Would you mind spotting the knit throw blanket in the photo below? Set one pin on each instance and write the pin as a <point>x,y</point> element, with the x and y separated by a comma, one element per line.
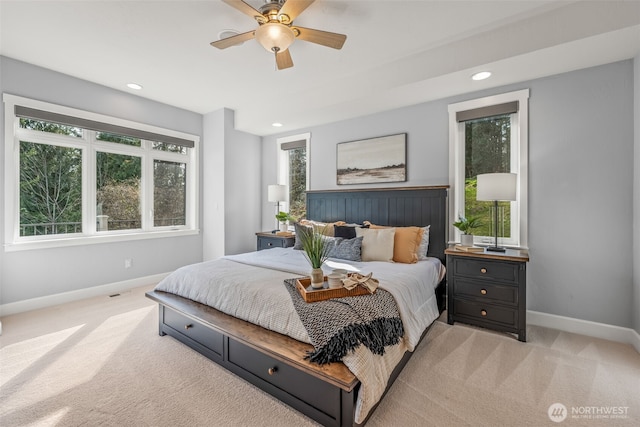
<point>338,326</point>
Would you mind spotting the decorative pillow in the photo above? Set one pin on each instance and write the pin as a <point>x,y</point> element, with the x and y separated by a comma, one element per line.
<point>377,244</point>
<point>325,228</point>
<point>348,249</point>
<point>344,231</point>
<point>297,245</point>
<point>406,243</point>
<point>424,244</point>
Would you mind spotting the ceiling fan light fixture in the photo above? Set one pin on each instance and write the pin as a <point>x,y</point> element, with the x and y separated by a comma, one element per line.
<point>275,37</point>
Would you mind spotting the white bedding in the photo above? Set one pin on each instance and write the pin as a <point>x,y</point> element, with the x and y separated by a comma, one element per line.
<point>250,287</point>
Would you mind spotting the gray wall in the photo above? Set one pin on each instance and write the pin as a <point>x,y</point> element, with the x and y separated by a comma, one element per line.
<point>231,183</point>
<point>636,198</point>
<point>36,273</point>
<point>581,170</point>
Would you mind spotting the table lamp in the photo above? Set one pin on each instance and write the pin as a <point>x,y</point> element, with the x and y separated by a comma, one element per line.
<point>496,187</point>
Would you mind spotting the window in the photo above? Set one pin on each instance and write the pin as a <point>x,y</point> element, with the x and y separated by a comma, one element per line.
<point>489,135</point>
<point>74,177</point>
<point>293,171</point>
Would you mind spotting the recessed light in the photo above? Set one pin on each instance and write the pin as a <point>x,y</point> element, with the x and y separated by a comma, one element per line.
<point>481,75</point>
<point>135,86</point>
<point>276,125</point>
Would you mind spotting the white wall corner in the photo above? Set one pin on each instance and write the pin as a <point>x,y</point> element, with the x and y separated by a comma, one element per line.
<point>585,327</point>
<point>65,297</point>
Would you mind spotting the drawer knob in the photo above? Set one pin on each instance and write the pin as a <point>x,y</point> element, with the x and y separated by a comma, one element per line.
<point>483,312</point>
<point>189,326</point>
<point>269,244</point>
<point>272,371</point>
<point>483,270</point>
<point>483,291</point>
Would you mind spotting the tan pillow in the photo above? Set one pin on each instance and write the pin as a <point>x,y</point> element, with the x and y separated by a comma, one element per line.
<point>405,244</point>
<point>325,228</point>
<point>377,245</point>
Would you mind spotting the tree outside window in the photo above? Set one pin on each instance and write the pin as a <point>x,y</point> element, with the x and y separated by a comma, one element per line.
<point>487,150</point>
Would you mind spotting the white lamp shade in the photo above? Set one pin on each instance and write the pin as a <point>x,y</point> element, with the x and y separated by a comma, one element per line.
<point>496,186</point>
<point>275,37</point>
<point>277,193</point>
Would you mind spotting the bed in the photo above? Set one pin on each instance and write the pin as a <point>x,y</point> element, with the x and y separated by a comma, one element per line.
<point>272,356</point>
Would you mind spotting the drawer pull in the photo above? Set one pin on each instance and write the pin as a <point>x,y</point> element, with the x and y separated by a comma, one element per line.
<point>483,270</point>
<point>483,291</point>
<point>269,244</point>
<point>483,312</point>
<point>272,371</point>
<point>189,326</point>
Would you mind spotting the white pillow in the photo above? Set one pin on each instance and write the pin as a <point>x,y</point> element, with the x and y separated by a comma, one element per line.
<point>424,244</point>
<point>377,243</point>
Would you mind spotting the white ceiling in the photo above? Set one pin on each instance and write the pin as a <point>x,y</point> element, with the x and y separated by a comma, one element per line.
<point>397,52</point>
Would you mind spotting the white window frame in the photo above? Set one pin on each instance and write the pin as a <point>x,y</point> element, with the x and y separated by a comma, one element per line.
<point>519,165</point>
<point>90,146</point>
<point>283,162</point>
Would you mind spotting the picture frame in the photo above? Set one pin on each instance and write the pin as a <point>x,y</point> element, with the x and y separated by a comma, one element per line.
<point>372,160</point>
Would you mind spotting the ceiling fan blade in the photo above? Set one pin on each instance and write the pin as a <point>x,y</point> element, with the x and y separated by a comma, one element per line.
<point>283,60</point>
<point>293,8</point>
<point>244,8</point>
<point>325,38</point>
<point>233,40</point>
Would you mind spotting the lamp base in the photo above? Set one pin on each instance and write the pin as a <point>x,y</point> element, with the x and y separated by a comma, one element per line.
<point>496,249</point>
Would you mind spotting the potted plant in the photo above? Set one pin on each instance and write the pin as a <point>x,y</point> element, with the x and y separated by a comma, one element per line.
<point>283,217</point>
<point>466,226</point>
<point>316,249</point>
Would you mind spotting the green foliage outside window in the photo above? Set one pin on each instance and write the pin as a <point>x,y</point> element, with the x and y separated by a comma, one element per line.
<point>118,179</point>
<point>50,189</point>
<point>51,184</point>
<point>298,183</point>
<point>487,150</point>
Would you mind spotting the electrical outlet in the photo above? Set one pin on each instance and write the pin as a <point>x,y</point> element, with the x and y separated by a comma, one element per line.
<point>128,263</point>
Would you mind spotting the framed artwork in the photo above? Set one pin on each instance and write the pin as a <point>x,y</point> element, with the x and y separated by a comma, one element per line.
<point>372,161</point>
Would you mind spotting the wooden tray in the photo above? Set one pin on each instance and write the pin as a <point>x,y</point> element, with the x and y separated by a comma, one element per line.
<point>310,294</point>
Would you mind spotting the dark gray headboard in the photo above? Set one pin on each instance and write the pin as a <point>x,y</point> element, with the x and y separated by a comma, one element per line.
<point>401,207</point>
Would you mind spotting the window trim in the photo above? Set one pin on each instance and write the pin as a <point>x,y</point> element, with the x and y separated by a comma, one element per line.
<point>14,242</point>
<point>283,162</point>
<point>521,166</point>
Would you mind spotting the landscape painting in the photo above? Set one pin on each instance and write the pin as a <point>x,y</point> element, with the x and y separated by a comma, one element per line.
<point>372,161</point>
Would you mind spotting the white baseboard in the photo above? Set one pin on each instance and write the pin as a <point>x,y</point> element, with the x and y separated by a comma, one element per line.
<point>585,327</point>
<point>51,300</point>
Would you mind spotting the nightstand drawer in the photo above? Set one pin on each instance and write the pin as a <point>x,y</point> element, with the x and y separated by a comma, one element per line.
<point>486,312</point>
<point>270,240</point>
<point>486,291</point>
<point>486,269</point>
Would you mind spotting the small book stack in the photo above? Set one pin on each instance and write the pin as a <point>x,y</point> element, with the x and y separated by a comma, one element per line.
<point>284,233</point>
<point>469,248</point>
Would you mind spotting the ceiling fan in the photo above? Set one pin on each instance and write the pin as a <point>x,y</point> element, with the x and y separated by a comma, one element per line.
<point>276,31</point>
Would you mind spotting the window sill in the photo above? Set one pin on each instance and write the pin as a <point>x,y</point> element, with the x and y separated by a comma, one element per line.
<point>93,240</point>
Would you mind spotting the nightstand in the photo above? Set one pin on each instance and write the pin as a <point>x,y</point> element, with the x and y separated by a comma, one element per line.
<point>488,289</point>
<point>268,240</point>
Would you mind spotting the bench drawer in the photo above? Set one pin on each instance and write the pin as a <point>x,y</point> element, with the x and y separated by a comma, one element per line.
<point>198,332</point>
<point>303,386</point>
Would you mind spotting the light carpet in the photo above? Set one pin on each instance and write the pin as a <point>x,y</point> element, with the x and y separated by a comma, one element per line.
<point>101,362</point>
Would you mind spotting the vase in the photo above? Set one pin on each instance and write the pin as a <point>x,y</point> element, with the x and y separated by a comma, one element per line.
<point>317,278</point>
<point>284,226</point>
<point>466,240</point>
